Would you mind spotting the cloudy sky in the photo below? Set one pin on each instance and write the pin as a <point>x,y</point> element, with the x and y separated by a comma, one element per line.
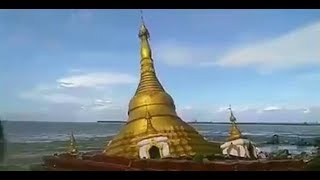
<point>83,65</point>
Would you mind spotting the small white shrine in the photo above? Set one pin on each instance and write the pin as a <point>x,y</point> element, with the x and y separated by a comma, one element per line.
<point>154,146</point>
<point>237,145</point>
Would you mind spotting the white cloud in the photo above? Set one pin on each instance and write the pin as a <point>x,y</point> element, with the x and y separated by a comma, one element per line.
<point>101,102</point>
<point>96,79</point>
<point>234,108</point>
<point>296,48</point>
<point>272,108</point>
<point>41,88</point>
<point>83,104</point>
<point>62,98</point>
<point>253,114</point>
<point>83,16</point>
<point>174,53</point>
<point>223,109</point>
<point>187,107</point>
<point>306,111</point>
<point>75,70</point>
<point>51,95</point>
<point>99,105</point>
<point>299,47</point>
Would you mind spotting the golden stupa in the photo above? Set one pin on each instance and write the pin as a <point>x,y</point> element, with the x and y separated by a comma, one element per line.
<point>234,132</point>
<point>72,149</point>
<point>153,128</point>
<point>237,145</point>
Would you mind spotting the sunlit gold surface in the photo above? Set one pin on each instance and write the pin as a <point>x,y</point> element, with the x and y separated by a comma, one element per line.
<point>152,113</point>
<point>234,132</point>
<point>72,149</point>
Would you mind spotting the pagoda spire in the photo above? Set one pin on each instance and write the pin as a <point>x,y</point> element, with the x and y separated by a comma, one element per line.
<point>152,114</point>
<point>72,146</point>
<point>234,132</point>
<point>148,78</point>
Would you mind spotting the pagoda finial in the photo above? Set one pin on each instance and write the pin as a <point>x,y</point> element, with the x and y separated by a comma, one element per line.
<point>233,119</point>
<point>144,33</point>
<point>72,146</point>
<point>148,78</point>
<point>141,12</point>
<point>234,132</point>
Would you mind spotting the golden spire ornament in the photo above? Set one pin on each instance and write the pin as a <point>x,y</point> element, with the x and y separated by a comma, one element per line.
<point>72,149</point>
<point>234,132</point>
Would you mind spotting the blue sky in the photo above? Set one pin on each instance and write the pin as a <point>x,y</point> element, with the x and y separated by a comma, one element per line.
<point>83,65</point>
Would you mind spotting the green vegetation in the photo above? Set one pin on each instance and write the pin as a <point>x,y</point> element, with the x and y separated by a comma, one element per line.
<point>13,168</point>
<point>314,165</point>
<point>281,154</point>
<point>198,158</point>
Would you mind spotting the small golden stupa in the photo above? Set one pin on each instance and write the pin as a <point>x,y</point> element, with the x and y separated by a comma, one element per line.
<point>153,128</point>
<point>237,145</point>
<point>234,132</point>
<point>72,149</point>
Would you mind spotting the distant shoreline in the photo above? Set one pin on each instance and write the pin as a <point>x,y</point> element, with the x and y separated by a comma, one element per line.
<point>199,123</point>
<point>244,123</point>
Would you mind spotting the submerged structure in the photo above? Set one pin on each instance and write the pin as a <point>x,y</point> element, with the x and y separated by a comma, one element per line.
<point>237,145</point>
<point>72,149</point>
<point>153,129</point>
<point>155,138</point>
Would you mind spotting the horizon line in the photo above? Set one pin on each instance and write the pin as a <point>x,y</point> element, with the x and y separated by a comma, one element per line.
<point>189,122</point>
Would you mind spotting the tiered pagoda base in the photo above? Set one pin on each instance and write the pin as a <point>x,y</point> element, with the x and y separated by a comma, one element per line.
<point>101,162</point>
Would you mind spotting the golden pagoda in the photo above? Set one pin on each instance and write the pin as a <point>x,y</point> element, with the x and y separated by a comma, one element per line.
<point>72,149</point>
<point>234,132</point>
<point>153,128</point>
<point>237,145</point>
